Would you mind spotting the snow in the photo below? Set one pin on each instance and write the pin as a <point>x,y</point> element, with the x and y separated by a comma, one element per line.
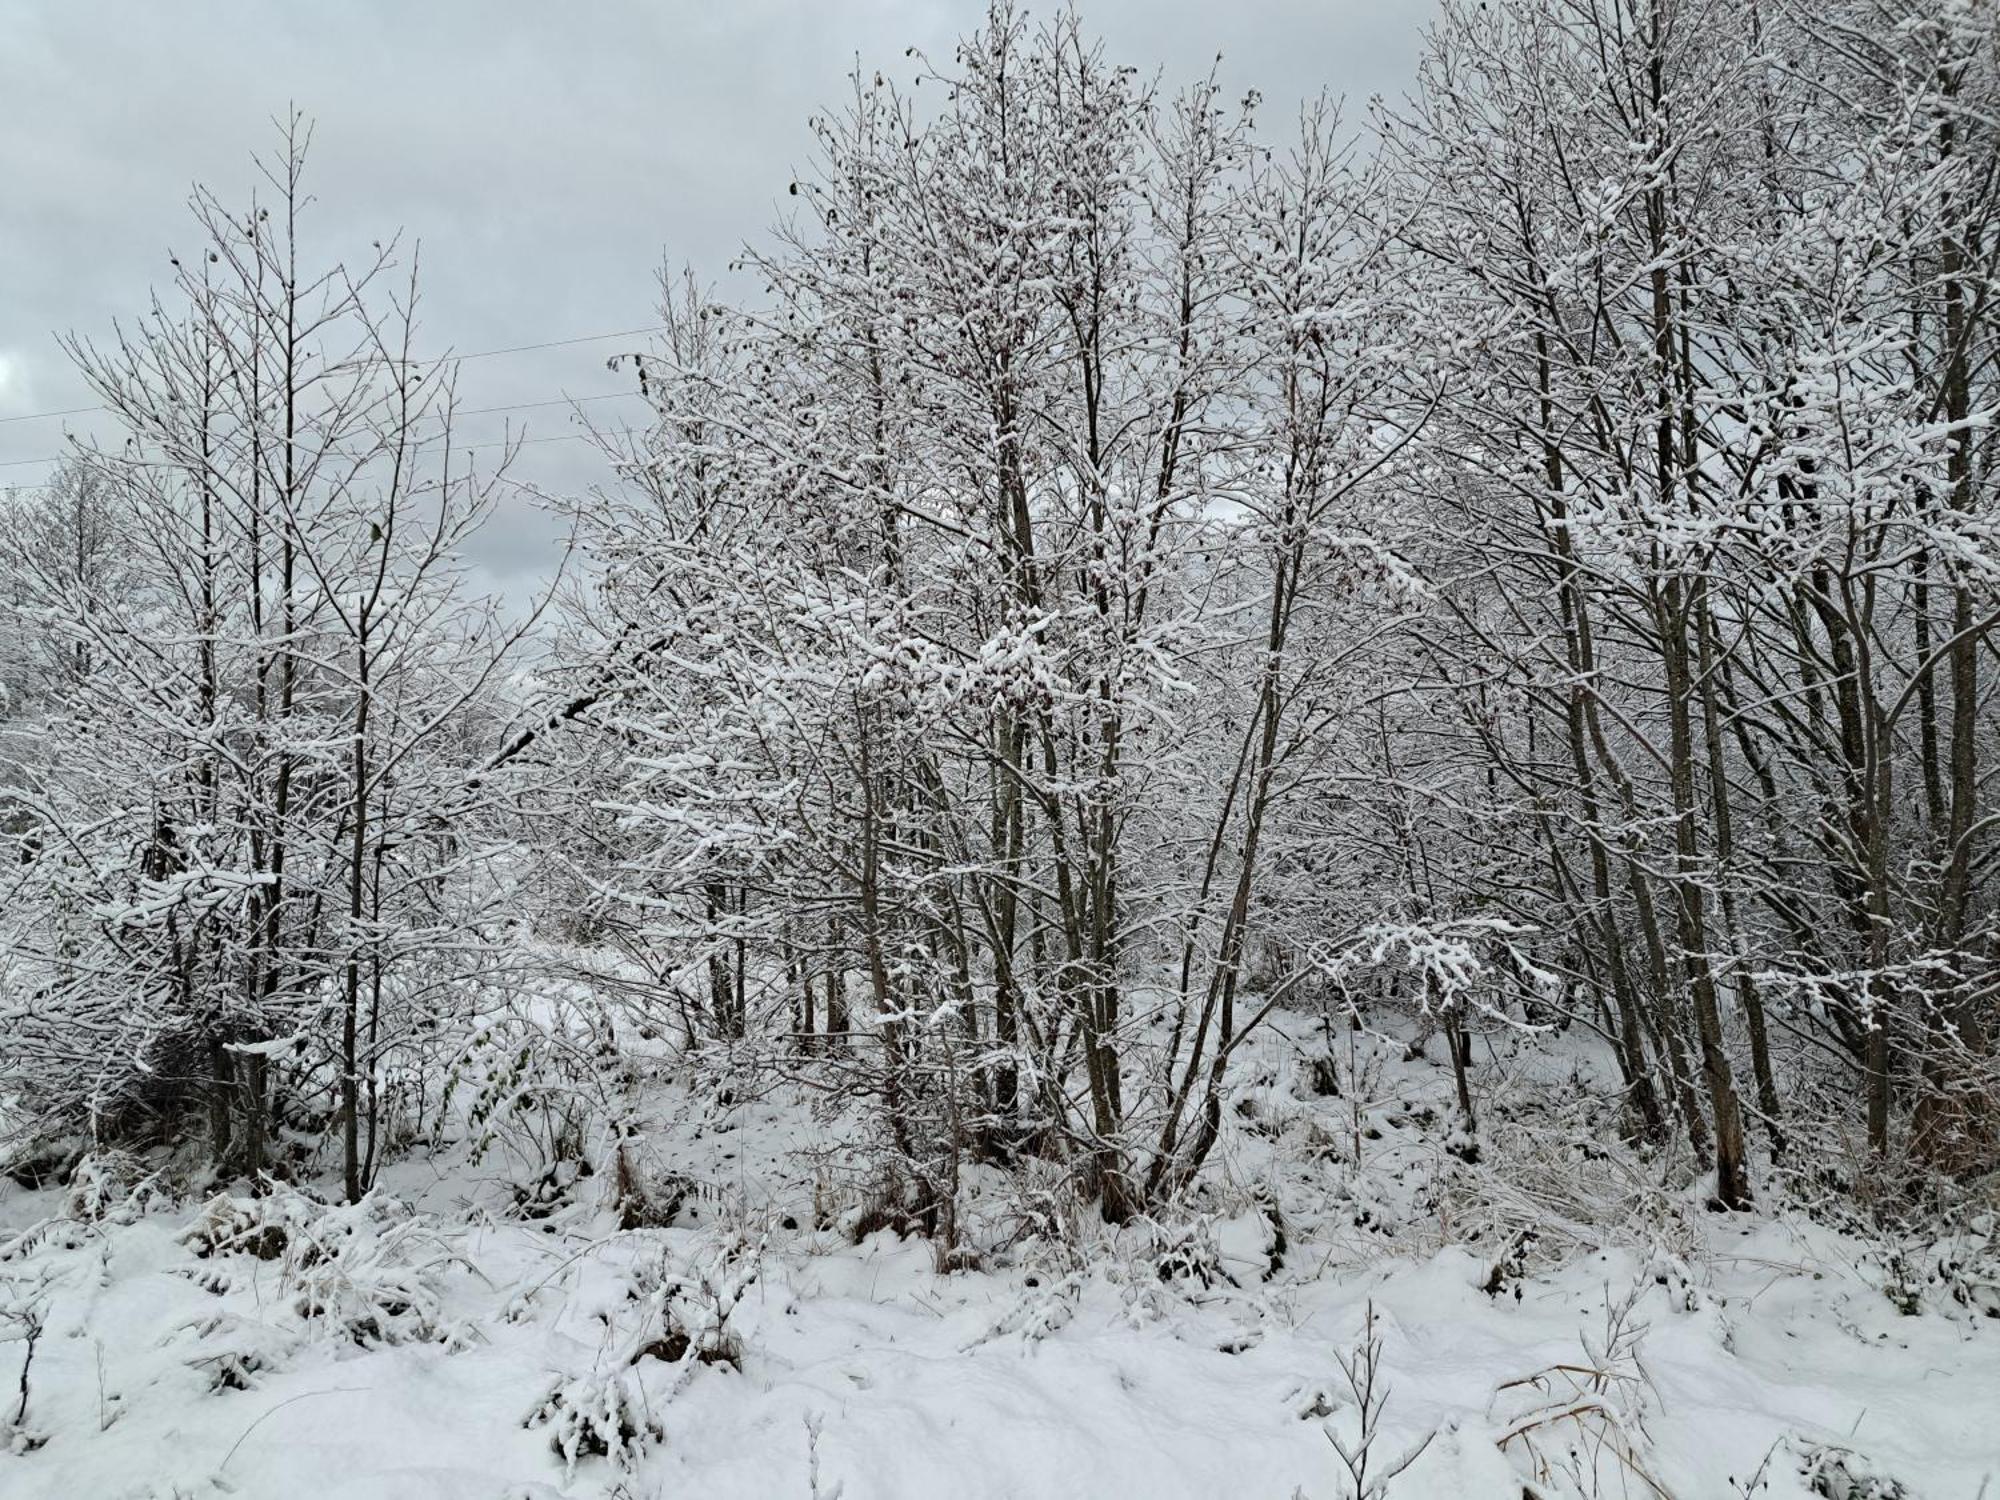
<point>1159,1360</point>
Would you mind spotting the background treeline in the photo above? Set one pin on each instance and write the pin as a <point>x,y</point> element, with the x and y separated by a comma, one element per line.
<point>1524,557</point>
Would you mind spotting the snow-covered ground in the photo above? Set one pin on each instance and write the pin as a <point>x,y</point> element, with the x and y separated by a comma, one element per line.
<point>433,1343</point>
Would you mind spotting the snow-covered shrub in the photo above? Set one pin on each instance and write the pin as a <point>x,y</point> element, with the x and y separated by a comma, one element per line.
<point>1039,1211</point>
<point>1954,1274</point>
<point>612,1410</point>
<point>38,1158</point>
<point>603,1413</point>
<point>44,1236</point>
<point>366,1273</point>
<point>1547,1177</point>
<point>694,1302</point>
<point>1358,1195</point>
<point>1187,1254</point>
<point>231,1352</point>
<point>23,1320</point>
<point>229,1225</point>
<point>1357,1405</point>
<point>1506,1270</point>
<point>1323,1074</point>
<point>1577,1428</point>
<point>112,1184</point>
<point>1838,1473</point>
<point>645,1194</point>
<point>1277,1236</point>
<point>1157,1267</point>
<point>533,1084</point>
<point>369,1274</point>
<point>1966,1266</point>
<point>1044,1306</point>
<point>1944,1258</point>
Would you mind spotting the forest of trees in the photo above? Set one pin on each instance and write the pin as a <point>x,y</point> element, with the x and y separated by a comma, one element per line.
<point>1520,557</point>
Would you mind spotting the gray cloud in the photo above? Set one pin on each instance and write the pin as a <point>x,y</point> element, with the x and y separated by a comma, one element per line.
<point>545,154</point>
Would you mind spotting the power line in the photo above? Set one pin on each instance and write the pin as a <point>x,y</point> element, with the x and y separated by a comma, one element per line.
<point>480,411</point>
<point>477,411</point>
<point>37,416</point>
<point>561,437</point>
<point>587,338</point>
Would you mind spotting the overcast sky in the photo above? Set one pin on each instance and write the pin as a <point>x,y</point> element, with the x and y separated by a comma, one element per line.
<point>547,153</point>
